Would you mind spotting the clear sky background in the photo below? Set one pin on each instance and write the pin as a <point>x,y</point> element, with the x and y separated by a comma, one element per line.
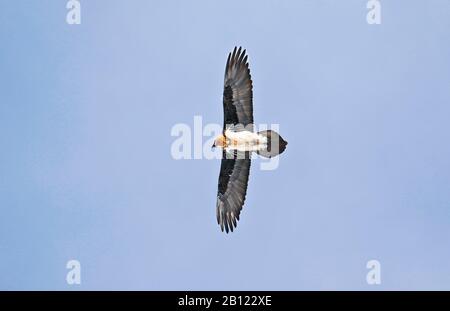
<point>86,171</point>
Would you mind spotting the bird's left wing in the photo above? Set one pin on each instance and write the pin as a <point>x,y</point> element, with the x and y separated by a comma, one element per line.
<point>233,180</point>
<point>238,93</point>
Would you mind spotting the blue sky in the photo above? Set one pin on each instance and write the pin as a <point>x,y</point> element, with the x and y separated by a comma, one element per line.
<point>86,171</point>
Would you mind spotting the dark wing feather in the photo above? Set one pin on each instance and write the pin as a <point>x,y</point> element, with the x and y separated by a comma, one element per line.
<point>237,93</point>
<point>233,180</point>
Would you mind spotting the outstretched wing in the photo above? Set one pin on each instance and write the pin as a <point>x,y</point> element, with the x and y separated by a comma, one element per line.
<point>233,180</point>
<point>237,93</point>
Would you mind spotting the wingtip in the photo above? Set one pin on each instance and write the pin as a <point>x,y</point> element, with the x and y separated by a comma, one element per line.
<point>228,224</point>
<point>237,51</point>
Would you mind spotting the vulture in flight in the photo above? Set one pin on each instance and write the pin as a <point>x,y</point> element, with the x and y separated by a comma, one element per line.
<point>238,140</point>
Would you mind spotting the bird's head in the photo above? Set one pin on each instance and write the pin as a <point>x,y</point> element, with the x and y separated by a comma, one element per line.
<point>219,141</point>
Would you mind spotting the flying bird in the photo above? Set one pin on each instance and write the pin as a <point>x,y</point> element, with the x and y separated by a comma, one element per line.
<point>238,140</point>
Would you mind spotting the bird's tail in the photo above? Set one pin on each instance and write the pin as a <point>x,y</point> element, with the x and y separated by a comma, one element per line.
<point>275,144</point>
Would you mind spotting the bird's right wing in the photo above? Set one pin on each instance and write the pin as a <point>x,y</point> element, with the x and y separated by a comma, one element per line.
<point>233,180</point>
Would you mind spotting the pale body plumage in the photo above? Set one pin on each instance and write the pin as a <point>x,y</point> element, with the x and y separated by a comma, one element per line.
<point>244,141</point>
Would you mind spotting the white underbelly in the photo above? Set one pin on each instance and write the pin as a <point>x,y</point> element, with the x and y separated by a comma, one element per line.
<point>245,141</point>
